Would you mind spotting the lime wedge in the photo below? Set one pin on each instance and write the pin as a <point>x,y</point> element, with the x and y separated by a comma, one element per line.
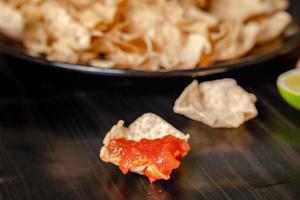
<point>288,85</point>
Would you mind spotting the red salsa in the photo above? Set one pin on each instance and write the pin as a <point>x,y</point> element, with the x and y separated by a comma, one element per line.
<point>163,154</point>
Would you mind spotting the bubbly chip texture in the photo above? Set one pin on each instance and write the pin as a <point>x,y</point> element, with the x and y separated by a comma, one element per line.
<point>147,35</point>
<point>149,146</point>
<point>219,104</point>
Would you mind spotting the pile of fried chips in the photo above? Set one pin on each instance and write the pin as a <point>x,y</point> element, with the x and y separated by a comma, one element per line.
<point>145,34</point>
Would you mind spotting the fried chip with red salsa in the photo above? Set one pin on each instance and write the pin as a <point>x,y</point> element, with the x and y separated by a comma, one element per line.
<point>149,146</point>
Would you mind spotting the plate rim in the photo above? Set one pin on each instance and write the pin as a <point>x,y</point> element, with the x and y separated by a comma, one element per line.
<point>291,43</point>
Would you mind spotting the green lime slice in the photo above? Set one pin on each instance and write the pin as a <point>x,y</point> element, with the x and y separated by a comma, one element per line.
<point>288,85</point>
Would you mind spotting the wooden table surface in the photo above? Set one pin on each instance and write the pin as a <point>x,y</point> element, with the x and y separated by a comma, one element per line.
<point>52,123</point>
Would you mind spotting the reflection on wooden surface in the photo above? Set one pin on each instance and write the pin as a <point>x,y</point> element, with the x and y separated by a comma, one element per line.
<point>207,140</point>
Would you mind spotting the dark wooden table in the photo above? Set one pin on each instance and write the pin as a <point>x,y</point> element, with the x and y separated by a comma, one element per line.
<point>52,123</point>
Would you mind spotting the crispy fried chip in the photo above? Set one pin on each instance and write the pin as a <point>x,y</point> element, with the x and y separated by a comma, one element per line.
<point>61,51</point>
<point>64,28</point>
<point>192,51</point>
<point>219,104</point>
<point>102,63</point>
<point>242,10</point>
<point>98,12</point>
<point>272,27</point>
<point>148,126</point>
<point>11,21</point>
<point>238,40</point>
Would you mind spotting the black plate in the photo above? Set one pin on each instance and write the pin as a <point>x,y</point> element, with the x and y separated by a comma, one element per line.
<point>258,55</point>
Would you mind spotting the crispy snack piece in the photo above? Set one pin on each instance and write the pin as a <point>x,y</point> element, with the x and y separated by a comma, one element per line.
<point>150,127</point>
<point>273,26</point>
<point>63,28</point>
<point>238,40</point>
<point>11,21</point>
<point>243,10</point>
<point>219,104</point>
